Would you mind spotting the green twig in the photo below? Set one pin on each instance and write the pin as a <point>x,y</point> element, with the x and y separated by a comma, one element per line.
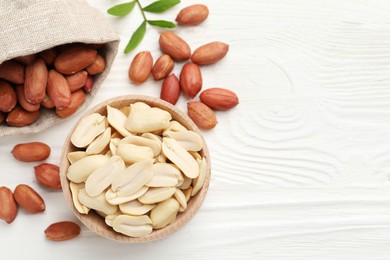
<point>142,10</point>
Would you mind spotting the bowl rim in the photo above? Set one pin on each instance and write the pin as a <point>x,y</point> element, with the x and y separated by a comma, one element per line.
<point>92,220</point>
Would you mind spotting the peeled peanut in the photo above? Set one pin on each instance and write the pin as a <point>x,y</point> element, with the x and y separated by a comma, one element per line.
<point>103,176</point>
<point>97,203</point>
<point>101,142</point>
<point>155,195</point>
<point>179,156</point>
<point>88,129</point>
<point>164,212</point>
<point>181,198</point>
<point>136,208</point>
<point>113,198</point>
<point>133,178</point>
<point>187,192</point>
<point>175,127</point>
<point>164,175</point>
<point>109,219</point>
<point>147,120</point>
<point>131,153</point>
<point>134,226</point>
<point>75,156</point>
<point>199,181</point>
<point>189,140</point>
<point>141,141</point>
<point>81,169</point>
<point>75,188</point>
<point>117,120</point>
<point>186,182</point>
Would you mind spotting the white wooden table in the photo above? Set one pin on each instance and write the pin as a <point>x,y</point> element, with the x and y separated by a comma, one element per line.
<point>300,168</point>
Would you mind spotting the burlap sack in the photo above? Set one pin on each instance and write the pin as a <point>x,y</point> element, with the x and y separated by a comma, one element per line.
<point>30,26</point>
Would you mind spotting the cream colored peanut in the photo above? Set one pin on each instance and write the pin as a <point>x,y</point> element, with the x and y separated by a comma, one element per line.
<point>186,183</point>
<point>131,153</point>
<point>101,142</point>
<point>175,126</point>
<point>179,156</point>
<point>196,155</point>
<point>147,120</point>
<point>75,156</point>
<point>139,106</point>
<point>164,212</point>
<point>161,158</point>
<point>156,195</point>
<point>133,178</point>
<point>164,175</point>
<point>133,226</point>
<point>109,219</point>
<point>88,129</point>
<point>141,141</point>
<point>117,120</point>
<point>181,198</point>
<point>103,176</point>
<point>113,198</point>
<point>187,192</point>
<point>189,140</point>
<point>135,208</point>
<point>74,189</point>
<point>153,137</point>
<point>81,169</point>
<point>97,203</point>
<point>197,183</point>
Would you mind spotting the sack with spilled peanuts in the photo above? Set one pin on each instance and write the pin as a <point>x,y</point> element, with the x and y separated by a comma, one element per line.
<point>54,55</point>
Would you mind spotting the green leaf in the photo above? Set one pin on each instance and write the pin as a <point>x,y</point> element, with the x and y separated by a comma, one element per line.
<point>136,38</point>
<point>161,6</point>
<point>122,9</point>
<point>162,23</point>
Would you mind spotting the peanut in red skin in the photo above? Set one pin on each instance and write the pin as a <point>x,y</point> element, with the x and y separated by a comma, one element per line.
<point>8,207</point>
<point>191,79</point>
<point>29,199</point>
<point>62,231</point>
<point>141,67</point>
<point>31,152</point>
<point>170,89</point>
<point>48,175</point>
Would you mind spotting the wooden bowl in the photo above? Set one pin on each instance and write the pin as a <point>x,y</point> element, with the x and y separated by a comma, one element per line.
<point>95,222</point>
